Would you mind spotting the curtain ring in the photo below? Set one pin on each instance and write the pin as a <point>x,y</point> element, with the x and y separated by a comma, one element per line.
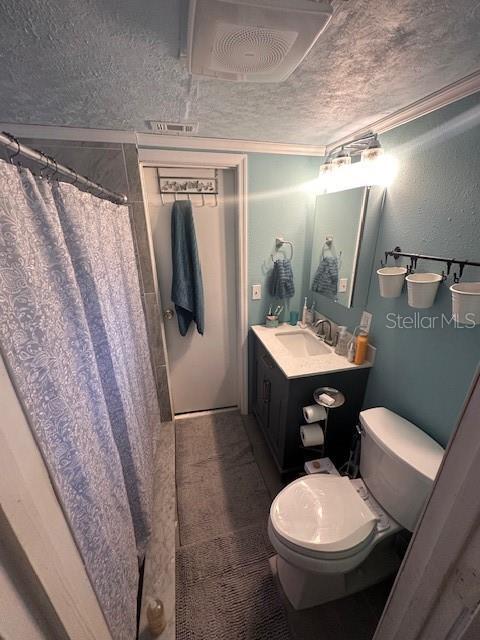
<point>76,176</point>
<point>52,176</point>
<point>46,165</point>
<point>17,152</point>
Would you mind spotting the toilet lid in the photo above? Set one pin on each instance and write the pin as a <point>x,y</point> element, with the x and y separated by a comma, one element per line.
<point>323,513</point>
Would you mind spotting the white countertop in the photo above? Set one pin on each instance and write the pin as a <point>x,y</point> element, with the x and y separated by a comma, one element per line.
<point>300,367</point>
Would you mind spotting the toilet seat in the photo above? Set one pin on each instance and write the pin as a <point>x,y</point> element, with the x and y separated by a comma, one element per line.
<point>323,514</point>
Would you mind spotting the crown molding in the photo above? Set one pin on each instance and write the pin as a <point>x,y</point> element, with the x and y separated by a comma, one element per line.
<point>155,140</point>
<point>434,101</point>
<point>222,144</point>
<point>48,132</point>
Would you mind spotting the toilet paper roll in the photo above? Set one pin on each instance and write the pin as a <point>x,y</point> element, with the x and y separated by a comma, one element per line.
<point>314,413</point>
<point>312,435</point>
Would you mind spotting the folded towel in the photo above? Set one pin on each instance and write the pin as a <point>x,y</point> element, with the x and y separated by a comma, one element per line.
<point>281,284</point>
<point>187,286</point>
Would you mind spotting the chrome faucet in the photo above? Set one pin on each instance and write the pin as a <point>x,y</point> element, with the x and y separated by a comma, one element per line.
<point>320,332</point>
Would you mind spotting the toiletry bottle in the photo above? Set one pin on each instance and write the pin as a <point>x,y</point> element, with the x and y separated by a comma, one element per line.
<point>311,314</point>
<point>342,341</point>
<point>156,618</point>
<point>351,350</point>
<point>305,314</point>
<point>361,347</point>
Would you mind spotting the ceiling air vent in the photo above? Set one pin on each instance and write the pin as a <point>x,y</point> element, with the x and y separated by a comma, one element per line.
<point>252,40</point>
<point>173,128</point>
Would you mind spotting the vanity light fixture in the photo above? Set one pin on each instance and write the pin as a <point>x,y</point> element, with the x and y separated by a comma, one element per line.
<point>338,172</point>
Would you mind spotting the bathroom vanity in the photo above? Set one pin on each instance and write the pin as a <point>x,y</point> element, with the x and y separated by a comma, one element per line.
<point>288,364</point>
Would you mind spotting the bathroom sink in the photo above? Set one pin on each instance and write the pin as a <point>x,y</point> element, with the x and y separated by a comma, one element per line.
<point>302,343</point>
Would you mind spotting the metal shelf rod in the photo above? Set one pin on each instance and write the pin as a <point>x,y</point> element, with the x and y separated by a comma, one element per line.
<point>420,256</point>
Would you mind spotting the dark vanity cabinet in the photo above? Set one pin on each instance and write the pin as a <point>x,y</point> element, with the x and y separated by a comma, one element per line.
<point>278,402</point>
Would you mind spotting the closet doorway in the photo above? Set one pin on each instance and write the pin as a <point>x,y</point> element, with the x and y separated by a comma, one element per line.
<point>204,372</point>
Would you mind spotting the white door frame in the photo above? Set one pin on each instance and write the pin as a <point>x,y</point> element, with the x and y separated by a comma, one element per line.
<point>149,157</point>
<point>29,503</point>
<point>436,595</point>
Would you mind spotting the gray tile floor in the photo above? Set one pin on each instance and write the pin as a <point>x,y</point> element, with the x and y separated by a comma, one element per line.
<point>352,618</point>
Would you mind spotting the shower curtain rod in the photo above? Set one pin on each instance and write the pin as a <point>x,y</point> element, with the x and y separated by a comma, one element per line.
<point>11,143</point>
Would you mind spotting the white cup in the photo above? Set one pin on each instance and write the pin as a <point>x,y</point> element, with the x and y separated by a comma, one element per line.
<point>422,289</point>
<point>466,302</point>
<point>391,280</point>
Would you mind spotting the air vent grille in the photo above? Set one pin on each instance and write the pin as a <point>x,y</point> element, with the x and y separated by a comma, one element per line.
<point>173,128</point>
<point>247,49</point>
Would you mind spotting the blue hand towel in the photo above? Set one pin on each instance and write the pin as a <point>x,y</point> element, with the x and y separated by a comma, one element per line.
<point>187,286</point>
<point>282,285</point>
<point>325,280</point>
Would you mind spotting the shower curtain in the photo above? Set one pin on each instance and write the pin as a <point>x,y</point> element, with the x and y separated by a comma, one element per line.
<point>73,336</point>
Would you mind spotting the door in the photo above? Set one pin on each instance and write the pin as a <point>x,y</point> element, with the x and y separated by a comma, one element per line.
<point>203,369</point>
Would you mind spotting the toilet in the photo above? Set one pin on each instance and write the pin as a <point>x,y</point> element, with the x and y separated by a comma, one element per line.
<point>335,536</point>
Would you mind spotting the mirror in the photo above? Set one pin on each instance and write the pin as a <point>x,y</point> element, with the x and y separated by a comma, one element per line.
<point>343,244</point>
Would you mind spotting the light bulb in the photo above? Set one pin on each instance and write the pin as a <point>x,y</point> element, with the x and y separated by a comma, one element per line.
<point>342,159</point>
<point>373,151</point>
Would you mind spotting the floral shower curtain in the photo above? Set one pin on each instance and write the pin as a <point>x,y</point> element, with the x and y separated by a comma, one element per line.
<point>73,337</point>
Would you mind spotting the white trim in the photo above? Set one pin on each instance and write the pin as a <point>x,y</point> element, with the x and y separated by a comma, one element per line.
<point>437,590</point>
<point>434,101</point>
<point>37,521</point>
<point>238,162</point>
<point>159,140</point>
<point>223,144</point>
<point>48,132</point>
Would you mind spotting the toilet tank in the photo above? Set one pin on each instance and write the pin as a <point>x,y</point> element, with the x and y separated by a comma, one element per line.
<point>398,463</point>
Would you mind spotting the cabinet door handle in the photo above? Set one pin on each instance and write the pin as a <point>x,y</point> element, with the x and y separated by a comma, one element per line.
<point>266,391</point>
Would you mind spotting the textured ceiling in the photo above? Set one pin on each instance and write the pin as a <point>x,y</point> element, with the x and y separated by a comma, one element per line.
<point>114,64</point>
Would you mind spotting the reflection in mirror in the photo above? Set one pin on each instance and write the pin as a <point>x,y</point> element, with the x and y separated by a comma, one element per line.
<point>343,244</point>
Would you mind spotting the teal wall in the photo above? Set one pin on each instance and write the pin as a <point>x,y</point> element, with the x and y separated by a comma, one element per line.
<point>432,206</point>
<point>278,206</point>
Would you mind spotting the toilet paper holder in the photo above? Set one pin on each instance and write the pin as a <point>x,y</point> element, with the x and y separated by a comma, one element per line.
<point>339,400</point>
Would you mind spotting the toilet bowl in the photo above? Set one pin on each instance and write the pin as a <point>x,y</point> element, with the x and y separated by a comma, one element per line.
<point>333,535</point>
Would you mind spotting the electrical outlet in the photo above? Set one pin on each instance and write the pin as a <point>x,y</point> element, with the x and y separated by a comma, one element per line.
<point>342,285</point>
<point>366,321</point>
<point>256,291</point>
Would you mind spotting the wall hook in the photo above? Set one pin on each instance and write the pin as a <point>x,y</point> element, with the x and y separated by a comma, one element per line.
<point>461,267</point>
